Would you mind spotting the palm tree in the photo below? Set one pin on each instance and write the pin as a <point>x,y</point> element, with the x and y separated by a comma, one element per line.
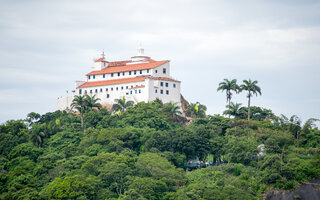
<point>196,110</point>
<point>80,104</point>
<point>173,109</point>
<point>229,86</point>
<point>295,127</point>
<point>37,134</point>
<point>252,88</point>
<point>122,104</point>
<point>233,109</point>
<point>92,102</point>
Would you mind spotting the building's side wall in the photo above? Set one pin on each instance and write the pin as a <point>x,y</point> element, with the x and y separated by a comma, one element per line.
<point>155,91</point>
<point>158,71</point>
<point>64,103</point>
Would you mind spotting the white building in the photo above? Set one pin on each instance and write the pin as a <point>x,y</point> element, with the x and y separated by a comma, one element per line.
<point>138,79</point>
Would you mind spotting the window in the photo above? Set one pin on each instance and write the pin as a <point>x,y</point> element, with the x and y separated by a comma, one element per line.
<point>100,89</point>
<point>156,91</point>
<point>121,87</point>
<point>88,77</point>
<point>117,88</point>
<point>156,71</point>
<point>108,95</point>
<point>123,73</point>
<point>96,90</point>
<point>127,93</point>
<point>111,74</point>
<point>167,84</point>
<point>131,86</point>
<point>135,91</point>
<point>90,91</point>
<point>131,92</point>
<point>167,91</point>
<point>103,76</point>
<point>148,70</point>
<point>80,91</point>
<point>174,85</point>
<point>164,70</point>
<point>161,91</point>
<point>94,76</point>
<point>127,87</point>
<point>161,83</point>
<point>112,89</point>
<point>139,91</point>
<point>135,72</point>
<point>85,91</point>
<point>140,71</point>
<point>129,72</point>
<point>118,73</point>
<point>106,89</point>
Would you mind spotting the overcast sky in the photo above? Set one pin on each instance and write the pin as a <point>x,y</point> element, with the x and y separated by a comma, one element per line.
<point>46,45</point>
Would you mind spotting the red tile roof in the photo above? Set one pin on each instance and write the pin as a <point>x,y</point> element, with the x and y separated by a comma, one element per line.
<point>123,68</point>
<point>113,82</point>
<point>163,78</point>
<point>118,63</point>
<point>101,60</point>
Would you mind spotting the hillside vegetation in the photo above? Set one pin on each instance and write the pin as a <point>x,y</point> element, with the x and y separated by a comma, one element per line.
<point>139,153</point>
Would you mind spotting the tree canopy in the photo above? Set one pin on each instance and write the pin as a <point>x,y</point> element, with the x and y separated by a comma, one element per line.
<point>141,154</point>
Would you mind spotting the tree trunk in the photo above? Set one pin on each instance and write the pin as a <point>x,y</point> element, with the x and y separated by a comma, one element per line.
<point>82,120</point>
<point>248,108</point>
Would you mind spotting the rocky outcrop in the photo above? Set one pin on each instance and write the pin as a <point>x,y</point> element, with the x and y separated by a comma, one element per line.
<point>307,191</point>
<point>184,104</point>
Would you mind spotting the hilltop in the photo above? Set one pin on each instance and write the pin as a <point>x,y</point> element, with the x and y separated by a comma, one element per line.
<point>140,152</point>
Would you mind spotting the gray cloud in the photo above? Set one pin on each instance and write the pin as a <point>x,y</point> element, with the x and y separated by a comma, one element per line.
<point>46,45</point>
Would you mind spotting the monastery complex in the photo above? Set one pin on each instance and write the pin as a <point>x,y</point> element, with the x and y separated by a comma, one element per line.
<point>138,79</point>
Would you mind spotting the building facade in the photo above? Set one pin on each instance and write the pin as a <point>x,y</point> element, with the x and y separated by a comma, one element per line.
<point>138,79</point>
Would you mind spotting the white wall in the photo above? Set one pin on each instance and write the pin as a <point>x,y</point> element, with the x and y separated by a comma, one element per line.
<point>147,93</point>
<point>113,94</point>
<point>64,103</point>
<point>174,93</point>
<point>159,70</point>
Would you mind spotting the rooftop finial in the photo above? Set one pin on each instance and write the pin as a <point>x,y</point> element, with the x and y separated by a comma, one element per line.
<point>103,55</point>
<point>140,50</point>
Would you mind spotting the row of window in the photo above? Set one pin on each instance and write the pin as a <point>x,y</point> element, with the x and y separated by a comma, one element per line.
<point>119,74</point>
<point>124,73</point>
<point>161,91</point>
<point>135,91</point>
<point>107,89</point>
<point>167,84</point>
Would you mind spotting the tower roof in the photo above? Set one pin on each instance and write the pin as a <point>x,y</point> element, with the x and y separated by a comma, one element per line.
<point>123,66</point>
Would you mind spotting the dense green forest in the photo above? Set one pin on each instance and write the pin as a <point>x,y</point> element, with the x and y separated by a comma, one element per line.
<point>139,153</point>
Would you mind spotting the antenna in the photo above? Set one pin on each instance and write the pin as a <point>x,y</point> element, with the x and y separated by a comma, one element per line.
<point>103,55</point>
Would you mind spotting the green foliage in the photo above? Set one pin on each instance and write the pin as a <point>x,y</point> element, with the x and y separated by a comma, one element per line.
<point>74,187</point>
<point>196,110</point>
<point>141,154</point>
<point>122,104</point>
<point>229,86</point>
<point>241,150</point>
<point>146,115</point>
<point>253,89</point>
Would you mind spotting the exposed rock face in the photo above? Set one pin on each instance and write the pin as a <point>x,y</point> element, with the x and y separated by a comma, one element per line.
<point>307,191</point>
<point>184,104</point>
